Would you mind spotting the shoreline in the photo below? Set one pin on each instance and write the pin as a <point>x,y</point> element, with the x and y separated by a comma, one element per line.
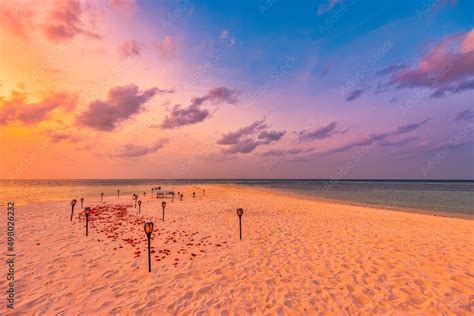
<point>297,255</point>
<point>298,195</point>
<point>375,206</point>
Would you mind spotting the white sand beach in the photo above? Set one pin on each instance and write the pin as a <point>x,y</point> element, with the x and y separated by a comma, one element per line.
<point>297,256</point>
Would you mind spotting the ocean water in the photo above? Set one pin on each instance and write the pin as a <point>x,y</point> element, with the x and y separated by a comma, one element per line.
<point>438,196</point>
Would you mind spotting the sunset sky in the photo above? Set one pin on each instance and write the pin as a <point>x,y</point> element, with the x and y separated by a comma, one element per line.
<point>237,89</point>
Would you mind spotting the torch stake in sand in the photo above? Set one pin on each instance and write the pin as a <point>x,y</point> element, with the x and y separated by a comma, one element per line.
<point>139,206</point>
<point>73,203</point>
<point>203,192</point>
<point>240,212</point>
<point>82,203</point>
<point>148,230</point>
<point>194,195</point>
<point>163,205</point>
<point>135,197</point>
<point>87,211</point>
<point>101,196</point>
<point>118,194</point>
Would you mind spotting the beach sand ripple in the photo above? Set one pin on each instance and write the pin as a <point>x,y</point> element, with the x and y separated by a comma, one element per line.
<point>297,256</point>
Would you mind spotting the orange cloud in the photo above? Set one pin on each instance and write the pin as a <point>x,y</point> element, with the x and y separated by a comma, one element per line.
<point>66,20</point>
<point>16,108</point>
<point>17,20</point>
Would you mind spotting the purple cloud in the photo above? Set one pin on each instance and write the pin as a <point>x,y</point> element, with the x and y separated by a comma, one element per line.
<point>244,146</point>
<point>358,143</point>
<point>399,131</point>
<point>408,128</point>
<point>382,139</point>
<point>447,67</point>
<point>454,88</point>
<point>398,143</point>
<point>248,145</point>
<point>59,136</point>
<point>217,96</point>
<point>391,69</point>
<point>355,94</point>
<point>273,152</point>
<point>133,151</point>
<point>381,88</point>
<point>466,115</point>
<point>234,137</point>
<point>282,152</point>
<point>270,136</point>
<point>130,49</point>
<point>120,104</point>
<point>449,145</point>
<point>320,133</point>
<point>429,148</point>
<point>181,116</point>
<point>248,138</point>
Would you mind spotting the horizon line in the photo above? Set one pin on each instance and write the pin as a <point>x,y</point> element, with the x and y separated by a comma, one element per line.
<point>243,179</point>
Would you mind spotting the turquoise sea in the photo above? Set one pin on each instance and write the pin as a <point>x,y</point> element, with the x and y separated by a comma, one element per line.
<point>438,196</point>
